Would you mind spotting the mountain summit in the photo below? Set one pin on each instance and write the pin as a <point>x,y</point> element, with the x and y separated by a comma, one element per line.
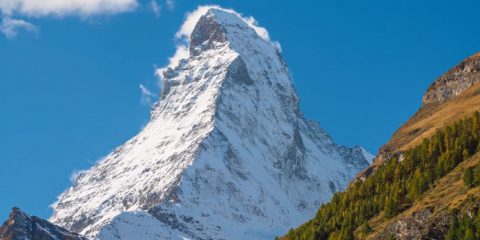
<point>227,153</point>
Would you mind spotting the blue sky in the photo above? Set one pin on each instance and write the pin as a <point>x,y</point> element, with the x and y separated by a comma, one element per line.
<point>70,76</point>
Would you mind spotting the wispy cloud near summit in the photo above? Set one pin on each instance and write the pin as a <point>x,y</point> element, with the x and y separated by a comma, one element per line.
<point>191,19</point>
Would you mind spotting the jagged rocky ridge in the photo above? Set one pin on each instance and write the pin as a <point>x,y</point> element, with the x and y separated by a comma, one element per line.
<point>21,226</point>
<point>227,153</point>
<point>455,81</point>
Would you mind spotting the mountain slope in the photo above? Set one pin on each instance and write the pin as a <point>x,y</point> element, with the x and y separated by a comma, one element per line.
<point>21,226</point>
<point>437,114</point>
<point>414,189</point>
<point>227,153</point>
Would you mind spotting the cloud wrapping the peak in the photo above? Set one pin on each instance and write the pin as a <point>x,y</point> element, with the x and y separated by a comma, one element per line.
<point>181,52</point>
<point>191,19</point>
<point>41,8</point>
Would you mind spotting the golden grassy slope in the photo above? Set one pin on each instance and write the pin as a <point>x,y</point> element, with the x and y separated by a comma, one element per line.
<point>449,193</point>
<point>425,122</point>
<point>433,116</point>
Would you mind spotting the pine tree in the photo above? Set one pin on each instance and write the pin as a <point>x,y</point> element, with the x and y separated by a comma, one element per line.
<point>477,224</point>
<point>440,168</point>
<point>476,176</point>
<point>453,230</point>
<point>466,154</point>
<point>391,207</point>
<point>468,177</point>
<point>365,228</point>
<point>469,234</point>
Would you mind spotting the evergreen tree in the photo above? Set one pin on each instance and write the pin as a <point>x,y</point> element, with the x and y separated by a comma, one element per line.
<point>468,177</point>
<point>477,224</point>
<point>391,207</point>
<point>365,228</point>
<point>469,234</point>
<point>453,230</point>
<point>476,176</point>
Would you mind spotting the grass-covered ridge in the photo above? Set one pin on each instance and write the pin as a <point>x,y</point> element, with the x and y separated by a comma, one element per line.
<point>395,186</point>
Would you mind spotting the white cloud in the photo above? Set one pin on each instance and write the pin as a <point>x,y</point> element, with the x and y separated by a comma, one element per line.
<point>73,178</point>
<point>182,52</point>
<point>170,4</point>
<point>75,174</point>
<point>54,205</point>
<point>11,10</point>
<point>156,9</point>
<point>147,97</point>
<point>37,8</point>
<point>10,27</point>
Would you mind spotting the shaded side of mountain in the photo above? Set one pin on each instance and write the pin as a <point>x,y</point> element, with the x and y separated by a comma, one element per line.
<point>21,226</point>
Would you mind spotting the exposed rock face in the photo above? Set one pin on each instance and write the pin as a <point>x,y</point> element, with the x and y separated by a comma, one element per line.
<point>455,81</point>
<point>422,224</point>
<point>227,153</point>
<point>21,226</point>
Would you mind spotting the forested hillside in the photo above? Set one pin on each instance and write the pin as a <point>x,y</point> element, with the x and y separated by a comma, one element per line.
<point>398,183</point>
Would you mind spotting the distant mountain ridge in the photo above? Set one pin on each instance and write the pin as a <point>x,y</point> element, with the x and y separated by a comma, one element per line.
<point>21,226</point>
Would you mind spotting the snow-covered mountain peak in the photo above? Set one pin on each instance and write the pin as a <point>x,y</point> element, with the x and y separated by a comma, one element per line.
<point>227,153</point>
<point>219,26</point>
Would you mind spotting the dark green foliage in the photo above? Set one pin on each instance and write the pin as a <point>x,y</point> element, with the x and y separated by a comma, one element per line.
<point>365,228</point>
<point>471,177</point>
<point>396,184</point>
<point>476,176</point>
<point>468,177</point>
<point>464,227</point>
<point>452,231</point>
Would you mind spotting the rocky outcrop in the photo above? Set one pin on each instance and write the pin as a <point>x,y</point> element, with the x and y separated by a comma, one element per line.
<point>21,226</point>
<point>422,224</point>
<point>455,81</point>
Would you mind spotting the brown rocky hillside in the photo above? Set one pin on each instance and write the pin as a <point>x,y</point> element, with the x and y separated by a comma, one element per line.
<point>452,96</point>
